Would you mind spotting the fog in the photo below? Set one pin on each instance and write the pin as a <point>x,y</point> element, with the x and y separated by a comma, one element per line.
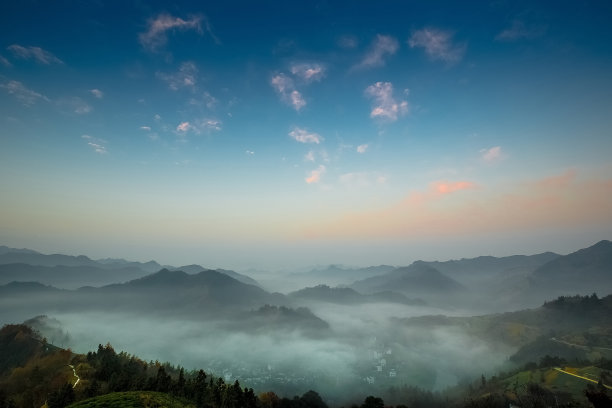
<point>336,363</point>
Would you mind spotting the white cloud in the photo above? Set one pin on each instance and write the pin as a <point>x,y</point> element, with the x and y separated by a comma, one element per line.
<point>304,136</point>
<point>438,45</point>
<point>492,154</point>
<point>285,87</point>
<point>382,47</point>
<point>27,96</point>
<point>308,72</point>
<point>250,152</point>
<point>97,93</point>
<point>362,148</point>
<point>156,36</point>
<point>185,77</point>
<point>157,117</point>
<point>98,145</point>
<point>385,106</point>
<point>36,53</point>
<point>520,30</point>
<point>315,175</point>
<point>146,128</point>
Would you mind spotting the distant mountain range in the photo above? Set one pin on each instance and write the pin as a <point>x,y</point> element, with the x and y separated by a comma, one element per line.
<point>504,283</point>
<point>72,272</point>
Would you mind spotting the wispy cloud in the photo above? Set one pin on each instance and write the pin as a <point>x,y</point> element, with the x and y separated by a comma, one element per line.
<point>304,136</point>
<point>438,45</point>
<point>491,154</point>
<point>564,201</point>
<point>520,30</point>
<point>382,47</point>
<point>310,156</point>
<point>156,35</point>
<point>25,95</point>
<point>385,106</point>
<point>249,152</point>
<point>361,179</point>
<point>315,175</point>
<point>199,126</point>
<point>183,127</point>
<point>146,128</point>
<point>347,42</point>
<point>285,87</point>
<point>362,148</point>
<point>97,93</point>
<point>185,77</point>
<point>35,53</point>
<point>74,105</point>
<point>5,62</point>
<point>445,187</point>
<point>308,72</point>
<point>98,145</point>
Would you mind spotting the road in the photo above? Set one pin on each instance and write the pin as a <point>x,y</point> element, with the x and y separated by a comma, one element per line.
<point>579,376</point>
<point>580,346</point>
<point>75,374</point>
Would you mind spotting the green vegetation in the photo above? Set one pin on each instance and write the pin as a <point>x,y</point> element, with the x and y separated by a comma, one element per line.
<point>134,399</point>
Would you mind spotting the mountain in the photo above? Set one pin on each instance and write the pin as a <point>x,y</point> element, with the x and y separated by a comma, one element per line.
<point>67,277</point>
<point>193,269</point>
<point>26,288</point>
<point>335,275</point>
<point>39,259</point>
<point>173,293</point>
<point>148,267</point>
<point>584,271</point>
<point>348,296</point>
<point>4,249</point>
<point>418,279</point>
<point>268,319</point>
<point>476,271</point>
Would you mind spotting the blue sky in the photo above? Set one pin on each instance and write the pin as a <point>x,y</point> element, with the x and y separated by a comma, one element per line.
<point>270,134</point>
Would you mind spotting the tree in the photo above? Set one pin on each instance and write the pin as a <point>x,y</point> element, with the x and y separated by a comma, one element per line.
<point>62,397</point>
<point>373,402</point>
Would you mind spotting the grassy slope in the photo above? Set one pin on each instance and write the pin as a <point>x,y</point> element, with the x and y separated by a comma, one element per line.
<point>133,399</point>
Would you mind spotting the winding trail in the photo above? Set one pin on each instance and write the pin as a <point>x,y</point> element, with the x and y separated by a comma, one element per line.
<point>580,346</point>
<point>75,374</point>
<point>579,376</point>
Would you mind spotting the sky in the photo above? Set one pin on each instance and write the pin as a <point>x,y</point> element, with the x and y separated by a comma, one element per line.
<point>272,134</point>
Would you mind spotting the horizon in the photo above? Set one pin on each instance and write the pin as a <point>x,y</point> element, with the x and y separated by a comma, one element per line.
<point>294,268</point>
<point>305,134</point>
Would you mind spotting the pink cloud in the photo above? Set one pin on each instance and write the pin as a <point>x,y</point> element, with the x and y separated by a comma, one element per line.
<point>560,202</point>
<point>315,175</point>
<point>446,187</point>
